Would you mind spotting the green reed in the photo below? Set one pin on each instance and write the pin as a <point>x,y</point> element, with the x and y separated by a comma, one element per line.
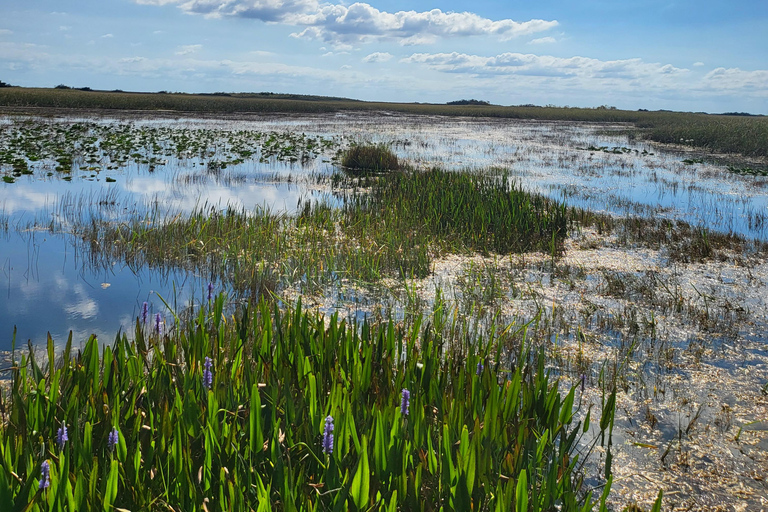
<point>394,226</point>
<point>369,158</point>
<point>481,429</point>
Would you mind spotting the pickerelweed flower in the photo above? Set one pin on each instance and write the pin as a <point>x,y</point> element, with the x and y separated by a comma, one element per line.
<point>61,436</point>
<point>405,402</point>
<point>210,291</point>
<point>480,368</point>
<point>158,323</point>
<point>144,312</point>
<point>45,475</point>
<point>207,374</point>
<point>114,438</point>
<point>328,436</point>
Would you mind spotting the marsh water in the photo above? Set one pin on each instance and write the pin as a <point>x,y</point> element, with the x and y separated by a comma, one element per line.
<point>65,171</point>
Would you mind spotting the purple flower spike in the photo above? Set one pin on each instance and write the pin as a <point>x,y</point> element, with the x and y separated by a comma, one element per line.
<point>207,374</point>
<point>144,311</point>
<point>328,436</point>
<point>480,368</point>
<point>45,475</point>
<point>583,382</point>
<point>158,323</point>
<point>61,436</point>
<point>114,438</point>
<point>405,402</point>
<point>210,291</point>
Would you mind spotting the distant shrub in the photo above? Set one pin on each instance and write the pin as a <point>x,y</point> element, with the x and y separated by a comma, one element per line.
<point>4,84</point>
<point>370,157</point>
<point>62,86</point>
<point>468,102</point>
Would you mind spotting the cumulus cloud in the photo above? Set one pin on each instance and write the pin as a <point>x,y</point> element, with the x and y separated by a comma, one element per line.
<point>734,79</point>
<point>543,40</point>
<point>188,49</point>
<point>541,65</point>
<point>378,57</point>
<point>698,64</point>
<point>361,22</point>
<point>5,32</point>
<point>107,36</point>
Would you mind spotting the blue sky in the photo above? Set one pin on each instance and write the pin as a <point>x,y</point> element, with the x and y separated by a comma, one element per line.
<point>682,55</point>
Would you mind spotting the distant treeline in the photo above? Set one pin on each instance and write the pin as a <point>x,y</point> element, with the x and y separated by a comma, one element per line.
<point>468,102</point>
<point>724,133</point>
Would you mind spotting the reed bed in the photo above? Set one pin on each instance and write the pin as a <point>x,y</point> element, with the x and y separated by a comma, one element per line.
<point>388,226</point>
<point>289,410</point>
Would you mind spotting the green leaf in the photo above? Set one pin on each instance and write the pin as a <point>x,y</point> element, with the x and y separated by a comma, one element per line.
<point>359,489</point>
<point>256,433</point>
<point>521,492</point>
<point>657,504</point>
<point>111,492</point>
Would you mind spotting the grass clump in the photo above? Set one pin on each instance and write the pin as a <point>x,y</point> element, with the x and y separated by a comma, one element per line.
<point>393,227</point>
<point>235,412</point>
<point>369,158</point>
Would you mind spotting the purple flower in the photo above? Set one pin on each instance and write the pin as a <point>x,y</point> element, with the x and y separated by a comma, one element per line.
<point>144,311</point>
<point>61,436</point>
<point>207,374</point>
<point>583,382</point>
<point>45,475</point>
<point>158,323</point>
<point>328,435</point>
<point>114,438</point>
<point>210,291</point>
<point>479,368</point>
<point>405,401</point>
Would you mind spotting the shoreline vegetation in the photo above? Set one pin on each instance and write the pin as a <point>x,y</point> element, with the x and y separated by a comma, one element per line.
<point>722,133</point>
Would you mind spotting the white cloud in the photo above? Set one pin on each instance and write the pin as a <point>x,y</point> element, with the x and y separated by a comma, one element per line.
<point>107,36</point>
<point>698,64</point>
<point>543,40</point>
<point>188,49</point>
<point>64,28</point>
<point>361,22</point>
<point>378,57</point>
<point>5,32</point>
<point>544,65</point>
<point>735,79</point>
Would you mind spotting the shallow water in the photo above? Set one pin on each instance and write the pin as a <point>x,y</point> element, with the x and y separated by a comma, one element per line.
<point>122,169</point>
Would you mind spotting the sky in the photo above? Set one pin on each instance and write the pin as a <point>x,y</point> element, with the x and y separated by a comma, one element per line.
<point>686,55</point>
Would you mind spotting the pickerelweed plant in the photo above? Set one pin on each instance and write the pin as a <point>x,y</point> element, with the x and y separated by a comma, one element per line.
<point>260,437</point>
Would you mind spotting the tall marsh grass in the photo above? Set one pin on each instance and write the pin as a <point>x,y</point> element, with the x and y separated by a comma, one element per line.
<point>390,225</point>
<point>369,158</point>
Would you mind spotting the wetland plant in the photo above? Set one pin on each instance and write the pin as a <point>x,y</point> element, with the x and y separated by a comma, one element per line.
<point>362,158</point>
<point>251,443</point>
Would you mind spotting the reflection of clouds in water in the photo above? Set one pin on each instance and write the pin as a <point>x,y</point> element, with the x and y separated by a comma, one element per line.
<point>146,185</point>
<point>84,306</point>
<point>187,198</point>
<point>23,198</point>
